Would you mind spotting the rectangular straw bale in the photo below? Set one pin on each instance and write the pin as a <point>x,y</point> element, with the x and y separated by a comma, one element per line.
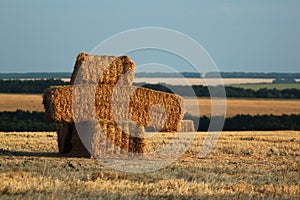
<point>90,142</point>
<point>125,138</point>
<point>110,139</point>
<point>187,126</point>
<point>137,142</point>
<point>141,142</point>
<point>99,140</point>
<point>94,69</point>
<point>64,135</point>
<point>132,136</point>
<point>118,139</point>
<point>106,137</point>
<point>78,147</point>
<point>141,103</point>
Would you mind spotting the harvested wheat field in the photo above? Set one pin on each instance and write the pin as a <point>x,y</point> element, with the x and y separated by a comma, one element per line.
<point>245,106</point>
<point>33,102</point>
<point>13,102</point>
<point>243,165</point>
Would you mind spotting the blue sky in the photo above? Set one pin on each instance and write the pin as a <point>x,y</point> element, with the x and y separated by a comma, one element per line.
<point>249,36</point>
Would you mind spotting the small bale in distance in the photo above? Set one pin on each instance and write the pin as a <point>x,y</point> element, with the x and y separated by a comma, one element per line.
<point>187,126</point>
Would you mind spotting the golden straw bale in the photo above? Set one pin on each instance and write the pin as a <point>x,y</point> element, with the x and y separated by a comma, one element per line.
<point>132,136</point>
<point>78,148</point>
<point>110,114</point>
<point>118,139</point>
<point>64,135</point>
<point>125,138</point>
<point>100,138</point>
<point>94,69</point>
<point>139,140</point>
<point>123,103</point>
<point>98,145</point>
<point>110,139</point>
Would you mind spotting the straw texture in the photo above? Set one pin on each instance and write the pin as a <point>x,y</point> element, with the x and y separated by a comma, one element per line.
<point>187,126</point>
<point>122,104</point>
<point>64,135</point>
<point>94,69</point>
<point>98,139</point>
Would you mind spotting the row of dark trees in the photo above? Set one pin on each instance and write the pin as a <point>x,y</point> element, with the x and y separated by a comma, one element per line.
<point>38,86</point>
<point>249,122</point>
<point>25,121</point>
<point>35,75</point>
<point>35,121</point>
<point>28,86</point>
<point>232,92</point>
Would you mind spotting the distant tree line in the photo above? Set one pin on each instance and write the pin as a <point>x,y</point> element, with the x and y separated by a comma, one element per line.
<point>28,86</point>
<point>231,92</point>
<point>25,121</point>
<point>38,86</point>
<point>35,121</point>
<point>59,75</point>
<point>284,80</point>
<point>36,75</point>
<point>250,123</point>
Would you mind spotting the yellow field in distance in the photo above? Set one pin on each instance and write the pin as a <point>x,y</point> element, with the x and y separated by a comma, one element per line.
<point>245,106</point>
<point>12,102</point>
<point>32,102</point>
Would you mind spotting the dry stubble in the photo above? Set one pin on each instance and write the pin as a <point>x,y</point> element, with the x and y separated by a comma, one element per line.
<point>243,165</point>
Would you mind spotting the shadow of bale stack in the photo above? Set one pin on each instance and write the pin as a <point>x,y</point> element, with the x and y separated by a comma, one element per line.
<point>111,113</point>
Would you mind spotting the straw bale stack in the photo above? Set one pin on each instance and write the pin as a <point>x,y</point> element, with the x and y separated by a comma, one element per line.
<point>95,92</point>
<point>130,103</point>
<point>94,69</point>
<point>187,126</point>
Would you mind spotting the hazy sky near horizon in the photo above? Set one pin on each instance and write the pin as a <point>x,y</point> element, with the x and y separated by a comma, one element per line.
<point>249,36</point>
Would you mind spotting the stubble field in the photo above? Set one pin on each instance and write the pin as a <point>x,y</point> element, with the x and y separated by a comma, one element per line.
<point>242,165</point>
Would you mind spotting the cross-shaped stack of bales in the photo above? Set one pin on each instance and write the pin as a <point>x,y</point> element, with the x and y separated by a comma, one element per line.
<point>107,134</point>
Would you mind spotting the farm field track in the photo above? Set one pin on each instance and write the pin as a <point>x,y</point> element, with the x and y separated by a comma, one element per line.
<point>33,102</point>
<point>201,81</point>
<point>242,165</point>
<point>257,86</point>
